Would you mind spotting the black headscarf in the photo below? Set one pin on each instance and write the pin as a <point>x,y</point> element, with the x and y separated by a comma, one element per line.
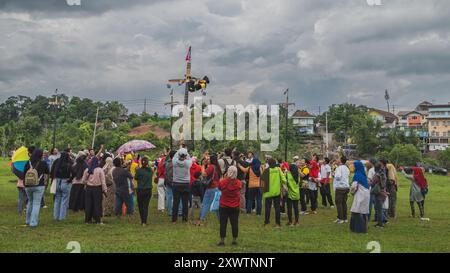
<point>36,156</point>
<point>79,167</point>
<point>294,171</point>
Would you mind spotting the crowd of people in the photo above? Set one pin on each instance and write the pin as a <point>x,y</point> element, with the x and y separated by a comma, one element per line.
<point>226,184</point>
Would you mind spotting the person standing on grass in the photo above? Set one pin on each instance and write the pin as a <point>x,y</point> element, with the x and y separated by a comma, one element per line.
<point>313,183</point>
<point>182,163</point>
<point>325,183</point>
<point>304,187</point>
<point>370,175</point>
<point>77,192</point>
<point>361,199</point>
<point>211,174</point>
<point>272,191</point>
<point>292,178</point>
<point>35,193</point>
<point>108,203</point>
<point>122,179</point>
<point>418,191</point>
<point>168,180</point>
<point>197,193</point>
<point>229,204</point>
<point>22,202</point>
<point>61,172</point>
<point>254,183</point>
<point>392,188</point>
<point>161,175</point>
<point>143,177</point>
<point>239,159</point>
<point>341,188</point>
<point>95,181</point>
<point>378,189</point>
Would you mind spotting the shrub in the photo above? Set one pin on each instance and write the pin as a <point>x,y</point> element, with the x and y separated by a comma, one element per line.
<point>405,155</point>
<point>444,158</point>
<point>135,122</point>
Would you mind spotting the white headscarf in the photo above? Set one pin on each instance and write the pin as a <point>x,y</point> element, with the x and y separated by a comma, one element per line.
<point>232,172</point>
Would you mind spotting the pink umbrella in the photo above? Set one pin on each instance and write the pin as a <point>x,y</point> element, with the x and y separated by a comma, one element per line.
<point>135,146</point>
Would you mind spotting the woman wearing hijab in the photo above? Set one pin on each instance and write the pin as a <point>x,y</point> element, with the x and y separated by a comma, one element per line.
<point>392,188</point>
<point>94,177</point>
<point>313,184</point>
<point>61,172</point>
<point>77,192</point>
<point>361,199</point>
<point>254,184</point>
<point>418,190</point>
<point>109,200</point>
<point>35,193</point>
<point>293,194</point>
<point>229,204</point>
<point>272,191</point>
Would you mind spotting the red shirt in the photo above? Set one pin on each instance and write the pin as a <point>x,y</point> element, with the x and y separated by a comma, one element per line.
<point>194,168</point>
<point>231,193</point>
<point>209,173</point>
<point>161,171</point>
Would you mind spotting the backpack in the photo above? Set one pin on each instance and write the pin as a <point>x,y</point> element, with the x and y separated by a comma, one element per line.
<point>32,178</point>
<point>227,165</point>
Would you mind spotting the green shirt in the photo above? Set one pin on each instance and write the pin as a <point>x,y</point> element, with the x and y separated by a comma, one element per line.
<point>276,177</point>
<point>144,177</point>
<point>293,188</point>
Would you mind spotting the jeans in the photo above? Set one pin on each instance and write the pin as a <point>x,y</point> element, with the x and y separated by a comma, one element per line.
<point>62,197</point>
<point>180,191</point>
<point>341,203</point>
<point>208,198</point>
<point>21,203</point>
<point>325,192</point>
<point>34,195</point>
<point>292,204</point>
<point>161,194</point>
<point>303,195</point>
<point>143,199</point>
<point>254,194</point>
<point>129,203</point>
<point>169,202</point>
<point>233,215</point>
<point>313,198</point>
<point>379,211</point>
<point>276,204</point>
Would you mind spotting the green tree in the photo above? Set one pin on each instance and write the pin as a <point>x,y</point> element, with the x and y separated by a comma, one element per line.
<point>444,158</point>
<point>364,132</point>
<point>405,155</point>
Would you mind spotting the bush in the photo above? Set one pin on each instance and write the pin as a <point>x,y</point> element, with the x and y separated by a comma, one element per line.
<point>405,155</point>
<point>135,122</point>
<point>444,158</point>
<point>431,161</point>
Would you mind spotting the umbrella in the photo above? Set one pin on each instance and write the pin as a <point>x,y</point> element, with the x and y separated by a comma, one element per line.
<point>19,160</point>
<point>135,146</point>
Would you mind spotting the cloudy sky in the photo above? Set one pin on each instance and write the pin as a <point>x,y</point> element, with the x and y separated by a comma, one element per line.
<point>325,51</point>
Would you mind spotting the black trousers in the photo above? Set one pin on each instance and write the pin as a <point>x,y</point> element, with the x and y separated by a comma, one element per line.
<point>268,207</point>
<point>233,215</point>
<point>143,199</point>
<point>76,200</point>
<point>93,204</point>
<point>292,204</point>
<point>180,191</point>
<point>303,196</point>
<point>313,198</point>
<point>325,192</point>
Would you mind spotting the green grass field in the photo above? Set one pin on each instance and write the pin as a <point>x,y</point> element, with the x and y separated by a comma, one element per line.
<point>317,233</point>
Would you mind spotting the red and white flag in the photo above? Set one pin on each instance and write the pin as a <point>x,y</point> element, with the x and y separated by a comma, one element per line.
<point>188,56</point>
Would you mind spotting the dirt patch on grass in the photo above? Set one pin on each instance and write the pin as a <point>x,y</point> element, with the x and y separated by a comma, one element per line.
<point>146,128</point>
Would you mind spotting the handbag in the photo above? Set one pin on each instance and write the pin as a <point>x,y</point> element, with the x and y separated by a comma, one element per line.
<point>53,187</point>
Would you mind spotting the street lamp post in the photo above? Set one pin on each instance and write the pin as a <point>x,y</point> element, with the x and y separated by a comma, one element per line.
<point>171,103</point>
<point>56,105</point>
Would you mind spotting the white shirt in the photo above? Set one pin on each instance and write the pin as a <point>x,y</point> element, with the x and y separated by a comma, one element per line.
<point>341,177</point>
<point>324,170</point>
<point>371,173</point>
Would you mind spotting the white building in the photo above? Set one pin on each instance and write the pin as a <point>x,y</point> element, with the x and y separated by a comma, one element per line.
<point>304,121</point>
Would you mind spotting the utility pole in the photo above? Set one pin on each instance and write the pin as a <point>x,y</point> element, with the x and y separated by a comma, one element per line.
<point>4,144</point>
<point>95,128</point>
<point>56,104</point>
<point>145,105</point>
<point>286,106</point>
<point>171,103</point>
<point>387,97</point>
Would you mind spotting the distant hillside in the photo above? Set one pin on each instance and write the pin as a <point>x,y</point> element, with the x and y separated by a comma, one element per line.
<point>146,128</point>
